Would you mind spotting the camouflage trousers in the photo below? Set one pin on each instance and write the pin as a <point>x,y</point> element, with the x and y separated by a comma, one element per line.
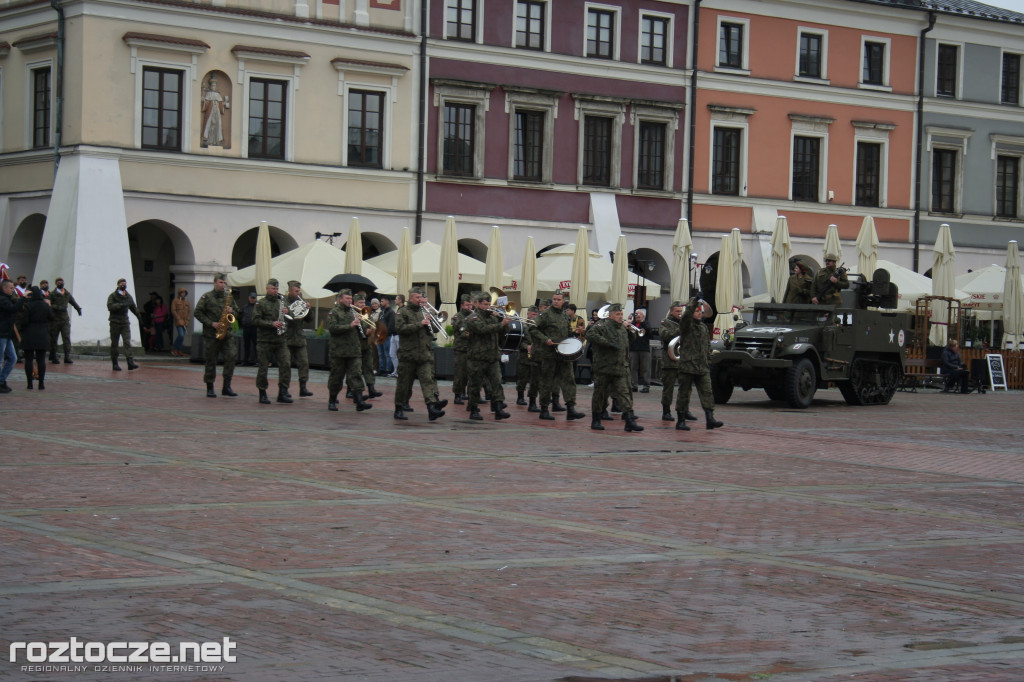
<point>300,357</point>
<point>211,349</point>
<point>556,375</point>
<point>614,386</point>
<point>408,372</point>
<point>461,380</point>
<point>279,353</point>
<point>121,332</point>
<point>369,378</point>
<point>350,367</point>
<point>703,384</point>
<point>484,373</point>
<point>527,376</point>
<point>670,378</point>
<point>61,326</point>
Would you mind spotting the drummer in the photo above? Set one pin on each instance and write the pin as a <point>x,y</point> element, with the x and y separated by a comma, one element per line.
<point>484,356</point>
<point>556,368</point>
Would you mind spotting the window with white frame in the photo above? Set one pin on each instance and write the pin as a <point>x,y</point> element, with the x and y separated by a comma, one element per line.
<point>947,148</point>
<point>462,112</point>
<point>531,133</point>
<point>532,25</point>
<point>600,141</point>
<point>812,54</point>
<point>733,44</point>
<point>654,131</point>
<point>727,167</point>
<point>871,163</point>
<point>462,20</point>
<point>655,39</point>
<point>602,31</point>
<point>269,101</point>
<point>947,70</point>
<point>365,126</point>
<point>1008,153</point>
<point>808,169</point>
<point>162,100</point>
<point>874,57</point>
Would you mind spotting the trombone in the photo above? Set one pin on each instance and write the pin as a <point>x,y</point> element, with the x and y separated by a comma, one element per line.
<point>437,321</point>
<point>603,311</point>
<point>502,311</point>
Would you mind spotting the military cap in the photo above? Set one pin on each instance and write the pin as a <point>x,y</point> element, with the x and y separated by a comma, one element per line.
<point>252,294</point>
<point>481,296</point>
<point>800,264</point>
<point>677,304</point>
<point>345,292</point>
<point>613,307</point>
<point>561,292</point>
<point>44,281</point>
<point>465,297</point>
<point>831,256</point>
<point>417,290</point>
<point>219,275</point>
<point>359,297</point>
<point>546,301</point>
<point>272,282</point>
<point>122,279</point>
<point>532,309</point>
<point>294,283</point>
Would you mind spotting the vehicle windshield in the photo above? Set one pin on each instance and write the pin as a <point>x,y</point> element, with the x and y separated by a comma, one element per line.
<point>775,317</point>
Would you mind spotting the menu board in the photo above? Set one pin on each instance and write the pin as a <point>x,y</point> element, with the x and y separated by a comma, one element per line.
<point>996,375</point>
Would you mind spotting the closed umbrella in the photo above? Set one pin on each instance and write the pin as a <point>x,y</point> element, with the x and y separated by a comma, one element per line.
<point>580,287</point>
<point>782,248</point>
<point>682,248</point>
<point>618,292</point>
<point>403,272</point>
<point>867,248</point>
<point>1013,301</point>
<point>528,276</point>
<point>832,245</point>
<point>354,249</point>
<point>448,284</point>
<point>725,287</point>
<point>943,284</point>
<point>263,268</point>
<point>736,242</point>
<point>493,275</point>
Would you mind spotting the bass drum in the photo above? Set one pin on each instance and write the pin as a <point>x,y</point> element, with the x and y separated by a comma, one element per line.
<point>513,336</point>
<point>570,349</point>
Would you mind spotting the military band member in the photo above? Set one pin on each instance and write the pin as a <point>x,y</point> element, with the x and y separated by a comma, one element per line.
<point>60,299</point>
<point>210,309</point>
<point>295,337</point>
<point>829,281</point>
<point>460,346</point>
<point>271,344</point>
<point>527,366</point>
<point>694,351</point>
<point>119,303</point>
<point>344,324</point>
<point>484,356</point>
<point>556,370</point>
<point>416,357</point>
<point>799,289</point>
<point>610,339</point>
<point>366,346</point>
<point>669,330</point>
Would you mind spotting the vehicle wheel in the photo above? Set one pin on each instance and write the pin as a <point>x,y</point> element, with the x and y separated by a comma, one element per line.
<point>775,392</point>
<point>721,385</point>
<point>801,383</point>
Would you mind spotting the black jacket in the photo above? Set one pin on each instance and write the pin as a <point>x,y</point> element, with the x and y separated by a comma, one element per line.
<point>35,332</point>
<point>9,306</point>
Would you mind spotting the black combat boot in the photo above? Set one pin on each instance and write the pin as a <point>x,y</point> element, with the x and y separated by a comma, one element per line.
<point>332,402</point>
<point>132,364</point>
<point>434,411</point>
<point>68,360</point>
<point>53,358</point>
<point>399,414</point>
<point>226,389</point>
<point>615,406</point>
<point>117,367</point>
<point>690,416</point>
<point>210,393</point>
<point>605,416</point>
<point>681,424</point>
<point>595,421</point>
<point>645,389</point>
<point>407,408</point>
<point>571,412</point>
<point>303,391</point>
<point>360,402</point>
<point>631,424</point>
<point>440,404</point>
<point>520,399</point>
<point>458,399</point>
<point>544,414</point>
<point>555,406</point>
<point>474,413</point>
<point>282,396</point>
<point>666,413</point>
<point>710,421</point>
<point>532,407</point>
<point>499,411</point>
<point>264,400</point>
<point>372,392</point>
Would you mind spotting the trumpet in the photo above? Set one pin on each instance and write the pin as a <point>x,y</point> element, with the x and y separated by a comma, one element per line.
<point>437,321</point>
<point>603,312</point>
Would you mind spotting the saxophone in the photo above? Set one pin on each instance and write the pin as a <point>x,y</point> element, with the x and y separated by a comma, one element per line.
<point>227,319</point>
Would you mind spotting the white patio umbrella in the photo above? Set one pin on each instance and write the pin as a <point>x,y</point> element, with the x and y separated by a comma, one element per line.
<point>618,292</point>
<point>736,238</point>
<point>725,287</point>
<point>943,284</point>
<point>426,264</point>
<point>782,249</point>
<point>580,287</point>
<point>354,249</point>
<point>448,284</point>
<point>262,267</point>
<point>403,269</point>
<point>912,286</point>
<point>1013,301</point>
<point>528,275</point>
<point>832,244</point>
<point>493,275</point>
<point>682,247</point>
<point>985,285</point>
<point>867,248</point>
<point>554,266</point>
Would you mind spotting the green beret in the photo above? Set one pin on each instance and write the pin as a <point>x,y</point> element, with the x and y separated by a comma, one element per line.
<point>272,282</point>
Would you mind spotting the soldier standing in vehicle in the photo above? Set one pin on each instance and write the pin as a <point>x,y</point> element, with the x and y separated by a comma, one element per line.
<point>694,349</point>
<point>829,282</point>
<point>799,289</point>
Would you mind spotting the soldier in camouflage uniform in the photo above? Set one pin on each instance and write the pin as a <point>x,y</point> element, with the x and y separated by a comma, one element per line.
<point>527,366</point>
<point>694,350</point>
<point>60,299</point>
<point>556,371</point>
<point>295,337</point>
<point>209,309</point>
<point>460,345</point>
<point>368,349</point>
<point>828,282</point>
<point>669,330</point>
<point>119,304</point>
<point>610,339</point>
<point>799,289</point>
<point>484,356</point>
<point>416,357</point>
<point>268,319</point>
<point>343,324</point>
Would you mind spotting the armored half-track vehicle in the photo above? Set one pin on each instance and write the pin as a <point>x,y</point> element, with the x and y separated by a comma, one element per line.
<point>792,350</point>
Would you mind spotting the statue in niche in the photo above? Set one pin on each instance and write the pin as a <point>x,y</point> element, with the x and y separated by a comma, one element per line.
<point>216,120</point>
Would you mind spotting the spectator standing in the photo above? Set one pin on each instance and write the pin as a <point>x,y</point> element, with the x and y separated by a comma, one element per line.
<point>161,318</point>
<point>10,303</point>
<point>248,325</point>
<point>181,311</point>
<point>35,338</point>
<point>640,353</point>
<point>387,315</point>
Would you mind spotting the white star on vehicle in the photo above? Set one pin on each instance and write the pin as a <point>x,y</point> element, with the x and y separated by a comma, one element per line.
<point>892,334</point>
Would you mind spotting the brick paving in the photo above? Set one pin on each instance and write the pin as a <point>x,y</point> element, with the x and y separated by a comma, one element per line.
<point>832,543</point>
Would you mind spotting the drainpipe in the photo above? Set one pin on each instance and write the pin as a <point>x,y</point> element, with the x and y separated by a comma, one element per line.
<point>919,151</point>
<point>693,115</point>
<point>58,123</point>
<point>422,142</point>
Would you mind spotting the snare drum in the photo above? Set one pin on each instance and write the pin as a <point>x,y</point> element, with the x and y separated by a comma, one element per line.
<point>570,349</point>
<point>512,337</point>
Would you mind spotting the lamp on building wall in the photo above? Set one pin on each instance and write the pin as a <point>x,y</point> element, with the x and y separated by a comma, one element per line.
<point>330,236</point>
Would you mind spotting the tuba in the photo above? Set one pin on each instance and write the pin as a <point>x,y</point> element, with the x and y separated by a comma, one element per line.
<point>227,319</point>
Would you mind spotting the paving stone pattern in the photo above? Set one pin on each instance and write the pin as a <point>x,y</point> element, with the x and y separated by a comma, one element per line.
<point>832,543</point>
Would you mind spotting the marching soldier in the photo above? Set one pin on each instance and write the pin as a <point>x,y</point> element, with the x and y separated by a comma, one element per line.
<point>212,309</point>
<point>484,356</point>
<point>610,340</point>
<point>460,345</point>
<point>119,303</point>
<point>60,299</point>
<point>344,325</point>
<point>694,350</point>
<point>296,339</point>
<point>669,330</point>
<point>799,288</point>
<point>829,281</point>
<point>528,367</point>
<point>368,349</point>
<point>416,357</point>
<point>556,371</point>
<point>270,343</point>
